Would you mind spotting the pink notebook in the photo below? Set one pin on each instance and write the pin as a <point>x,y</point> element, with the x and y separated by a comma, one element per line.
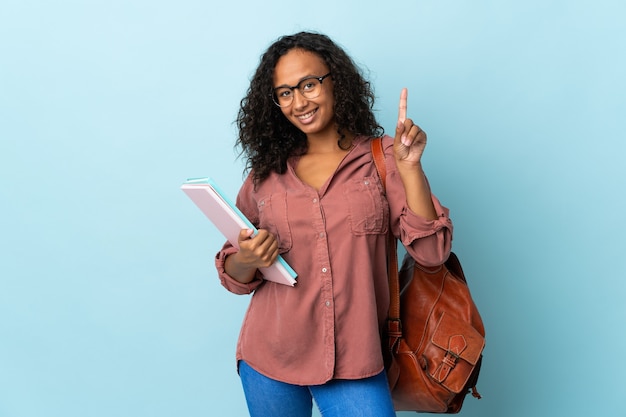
<point>229,220</point>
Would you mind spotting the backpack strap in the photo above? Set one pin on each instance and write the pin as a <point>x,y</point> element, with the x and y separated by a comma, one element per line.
<point>394,326</point>
<point>378,154</point>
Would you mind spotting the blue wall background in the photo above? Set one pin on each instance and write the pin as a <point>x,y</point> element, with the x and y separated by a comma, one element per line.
<point>109,303</point>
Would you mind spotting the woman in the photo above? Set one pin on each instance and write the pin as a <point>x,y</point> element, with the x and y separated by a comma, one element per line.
<point>305,127</point>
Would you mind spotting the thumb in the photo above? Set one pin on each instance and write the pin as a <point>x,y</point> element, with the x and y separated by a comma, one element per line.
<point>245,234</point>
<point>401,136</point>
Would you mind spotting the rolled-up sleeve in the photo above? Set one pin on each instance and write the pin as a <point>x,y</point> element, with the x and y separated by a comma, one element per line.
<point>428,241</point>
<point>229,282</point>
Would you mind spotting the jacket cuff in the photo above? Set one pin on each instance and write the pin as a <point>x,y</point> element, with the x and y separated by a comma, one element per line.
<point>230,283</point>
<point>418,227</point>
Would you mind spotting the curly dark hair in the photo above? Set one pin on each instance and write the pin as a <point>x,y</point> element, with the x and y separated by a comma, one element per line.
<point>267,138</point>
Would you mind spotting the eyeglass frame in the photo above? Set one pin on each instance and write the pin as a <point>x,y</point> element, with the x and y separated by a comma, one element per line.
<point>297,87</point>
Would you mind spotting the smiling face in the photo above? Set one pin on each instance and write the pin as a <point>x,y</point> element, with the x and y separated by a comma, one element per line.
<point>313,116</point>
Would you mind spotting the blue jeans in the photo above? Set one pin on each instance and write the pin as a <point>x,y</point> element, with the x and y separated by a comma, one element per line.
<point>267,397</point>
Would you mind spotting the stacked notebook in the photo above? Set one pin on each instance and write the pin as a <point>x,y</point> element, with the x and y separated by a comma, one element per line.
<point>229,220</point>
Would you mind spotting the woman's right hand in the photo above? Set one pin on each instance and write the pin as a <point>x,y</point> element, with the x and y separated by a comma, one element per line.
<point>255,252</point>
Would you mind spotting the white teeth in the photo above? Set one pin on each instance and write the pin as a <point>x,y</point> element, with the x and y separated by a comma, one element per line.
<point>306,116</point>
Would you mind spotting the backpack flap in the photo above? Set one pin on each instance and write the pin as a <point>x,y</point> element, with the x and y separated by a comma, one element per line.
<point>456,349</point>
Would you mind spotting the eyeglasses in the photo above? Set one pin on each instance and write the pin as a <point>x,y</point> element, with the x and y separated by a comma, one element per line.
<point>309,88</point>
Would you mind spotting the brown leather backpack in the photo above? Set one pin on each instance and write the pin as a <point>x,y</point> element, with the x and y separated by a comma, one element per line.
<point>435,336</point>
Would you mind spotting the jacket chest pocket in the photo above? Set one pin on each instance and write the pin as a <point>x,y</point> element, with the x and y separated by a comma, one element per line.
<point>273,217</point>
<point>368,210</point>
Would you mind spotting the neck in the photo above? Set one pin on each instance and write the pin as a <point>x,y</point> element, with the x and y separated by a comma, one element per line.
<point>329,144</point>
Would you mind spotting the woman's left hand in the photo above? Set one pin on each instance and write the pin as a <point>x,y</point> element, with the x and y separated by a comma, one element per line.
<point>410,140</point>
<point>408,147</point>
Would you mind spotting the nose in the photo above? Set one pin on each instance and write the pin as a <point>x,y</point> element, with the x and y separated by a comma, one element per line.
<point>299,100</point>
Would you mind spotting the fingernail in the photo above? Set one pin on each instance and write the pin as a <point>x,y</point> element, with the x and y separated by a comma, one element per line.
<point>405,140</point>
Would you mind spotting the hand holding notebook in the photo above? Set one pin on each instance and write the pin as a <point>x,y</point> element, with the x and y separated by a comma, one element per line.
<point>229,220</point>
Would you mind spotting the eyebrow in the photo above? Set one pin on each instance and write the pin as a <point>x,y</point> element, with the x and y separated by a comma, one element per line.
<point>301,79</point>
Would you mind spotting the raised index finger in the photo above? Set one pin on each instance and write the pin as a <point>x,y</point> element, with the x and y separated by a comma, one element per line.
<point>402,107</point>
